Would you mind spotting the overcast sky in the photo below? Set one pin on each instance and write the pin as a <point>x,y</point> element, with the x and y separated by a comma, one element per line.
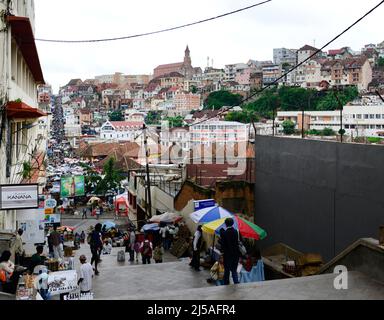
<point>246,35</point>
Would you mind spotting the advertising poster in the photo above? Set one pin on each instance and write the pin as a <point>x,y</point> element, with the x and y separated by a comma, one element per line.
<point>72,187</point>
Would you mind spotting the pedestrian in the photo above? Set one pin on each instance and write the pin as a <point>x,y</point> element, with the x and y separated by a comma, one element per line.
<point>37,259</point>
<point>164,233</point>
<point>158,254</point>
<point>82,237</point>
<point>146,251</point>
<point>17,248</point>
<point>230,246</point>
<point>132,241</point>
<point>9,276</point>
<point>56,243</point>
<point>97,213</point>
<point>196,246</point>
<point>96,244</point>
<point>217,271</point>
<point>84,216</point>
<point>50,245</point>
<point>137,250</point>
<point>86,275</point>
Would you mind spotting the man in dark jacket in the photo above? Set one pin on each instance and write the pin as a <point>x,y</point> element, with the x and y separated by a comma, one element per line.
<point>230,247</point>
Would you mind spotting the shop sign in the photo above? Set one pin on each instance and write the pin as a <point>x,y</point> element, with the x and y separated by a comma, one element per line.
<point>50,204</point>
<point>21,196</point>
<point>201,204</point>
<point>48,211</point>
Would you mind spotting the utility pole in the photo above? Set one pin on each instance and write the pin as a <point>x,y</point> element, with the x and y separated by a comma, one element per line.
<point>341,131</point>
<point>148,211</point>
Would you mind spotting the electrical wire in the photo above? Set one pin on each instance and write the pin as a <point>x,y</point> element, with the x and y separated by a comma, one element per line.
<point>158,31</point>
<point>293,68</point>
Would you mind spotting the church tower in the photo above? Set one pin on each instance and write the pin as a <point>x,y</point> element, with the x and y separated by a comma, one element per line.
<point>187,58</point>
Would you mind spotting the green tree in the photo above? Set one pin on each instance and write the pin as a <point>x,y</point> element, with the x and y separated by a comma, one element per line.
<point>26,171</point>
<point>111,179</point>
<point>328,132</point>
<point>288,127</point>
<point>265,104</point>
<point>175,122</point>
<point>153,117</point>
<point>244,116</point>
<point>219,99</point>
<point>91,179</point>
<point>193,89</point>
<point>116,116</point>
<point>380,62</point>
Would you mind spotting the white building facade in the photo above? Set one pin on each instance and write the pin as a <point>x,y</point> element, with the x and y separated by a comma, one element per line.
<point>121,130</point>
<point>20,74</point>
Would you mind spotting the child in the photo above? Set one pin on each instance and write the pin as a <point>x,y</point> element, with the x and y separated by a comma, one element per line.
<point>137,250</point>
<point>217,271</point>
<point>107,247</point>
<point>146,251</point>
<point>158,254</point>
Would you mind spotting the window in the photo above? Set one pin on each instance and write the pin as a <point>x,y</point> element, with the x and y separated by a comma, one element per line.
<point>371,116</point>
<point>358,116</point>
<point>378,116</point>
<point>366,116</point>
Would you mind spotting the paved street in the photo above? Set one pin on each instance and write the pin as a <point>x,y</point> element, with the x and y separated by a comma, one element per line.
<point>127,280</point>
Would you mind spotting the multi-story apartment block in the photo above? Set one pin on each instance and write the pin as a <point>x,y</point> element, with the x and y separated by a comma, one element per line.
<point>358,120</point>
<point>219,132</point>
<point>353,71</point>
<point>232,69</point>
<point>175,136</point>
<point>285,56</point>
<point>185,101</point>
<point>20,74</point>
<point>271,73</point>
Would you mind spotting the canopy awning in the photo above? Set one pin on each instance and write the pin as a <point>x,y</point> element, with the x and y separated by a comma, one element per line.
<point>20,110</point>
<point>21,30</point>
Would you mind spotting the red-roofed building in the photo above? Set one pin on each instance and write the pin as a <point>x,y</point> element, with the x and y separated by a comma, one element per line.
<point>185,67</point>
<point>121,130</point>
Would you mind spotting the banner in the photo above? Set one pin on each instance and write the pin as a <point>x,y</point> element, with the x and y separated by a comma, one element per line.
<point>72,187</point>
<point>201,204</point>
<point>21,196</point>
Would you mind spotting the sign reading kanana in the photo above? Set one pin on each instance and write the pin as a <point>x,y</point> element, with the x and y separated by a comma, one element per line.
<point>72,187</point>
<point>21,196</point>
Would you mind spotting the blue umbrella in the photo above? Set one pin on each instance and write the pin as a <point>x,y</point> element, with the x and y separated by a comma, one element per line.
<point>150,227</point>
<point>109,224</point>
<point>210,214</point>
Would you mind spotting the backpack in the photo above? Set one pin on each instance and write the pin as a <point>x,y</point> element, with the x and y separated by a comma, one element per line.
<point>147,251</point>
<point>90,240</point>
<point>121,256</point>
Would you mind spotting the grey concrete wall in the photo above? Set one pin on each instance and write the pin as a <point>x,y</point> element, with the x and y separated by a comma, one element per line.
<point>318,196</point>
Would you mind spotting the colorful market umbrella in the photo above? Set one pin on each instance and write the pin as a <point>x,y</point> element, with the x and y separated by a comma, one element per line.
<point>246,228</point>
<point>210,214</point>
<point>109,224</point>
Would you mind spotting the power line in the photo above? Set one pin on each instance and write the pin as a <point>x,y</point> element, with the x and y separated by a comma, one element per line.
<point>294,68</point>
<point>158,31</point>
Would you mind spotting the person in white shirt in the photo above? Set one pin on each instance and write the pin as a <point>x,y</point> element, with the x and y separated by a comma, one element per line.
<point>86,275</point>
<point>164,230</point>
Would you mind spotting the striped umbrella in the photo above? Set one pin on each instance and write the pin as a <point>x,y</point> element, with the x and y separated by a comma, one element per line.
<point>210,214</point>
<point>246,228</point>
